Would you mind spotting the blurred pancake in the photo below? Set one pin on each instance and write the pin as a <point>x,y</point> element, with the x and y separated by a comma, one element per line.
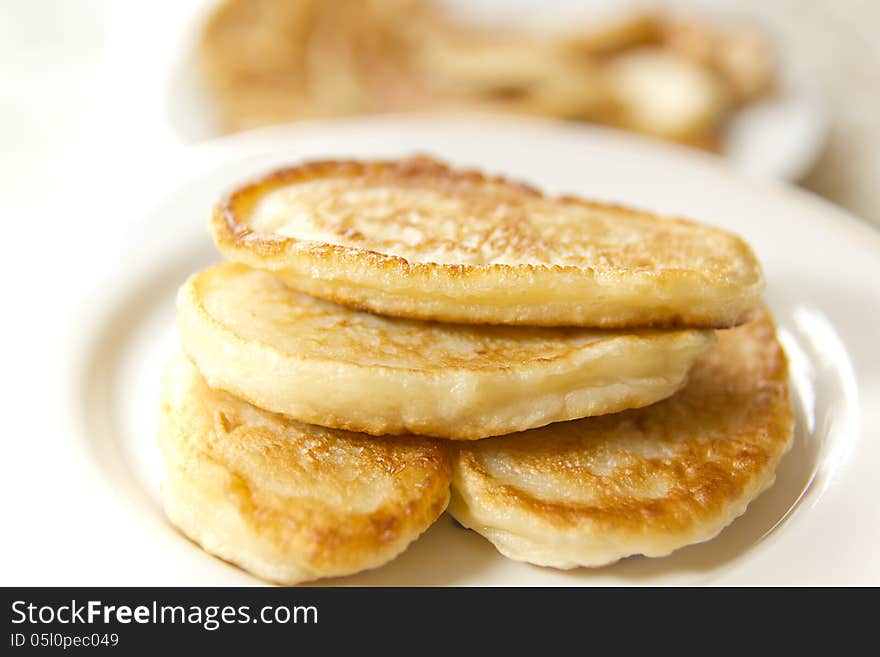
<point>665,94</point>
<point>273,61</point>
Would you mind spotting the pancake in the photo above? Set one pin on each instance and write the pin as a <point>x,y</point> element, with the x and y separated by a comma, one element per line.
<point>665,94</point>
<point>647,481</point>
<point>413,238</point>
<point>290,502</point>
<point>326,364</point>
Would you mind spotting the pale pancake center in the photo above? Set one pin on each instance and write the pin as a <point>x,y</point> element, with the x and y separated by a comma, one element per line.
<point>486,224</point>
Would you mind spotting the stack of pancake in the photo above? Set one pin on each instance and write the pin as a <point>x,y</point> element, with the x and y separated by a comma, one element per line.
<point>662,74</point>
<point>392,338</point>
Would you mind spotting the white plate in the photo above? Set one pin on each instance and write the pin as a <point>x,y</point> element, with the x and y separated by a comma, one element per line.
<point>819,524</point>
<point>781,136</point>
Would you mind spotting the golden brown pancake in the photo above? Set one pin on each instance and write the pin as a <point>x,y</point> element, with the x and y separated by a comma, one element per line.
<point>646,481</point>
<point>287,501</point>
<point>327,364</point>
<point>275,61</point>
<point>414,238</point>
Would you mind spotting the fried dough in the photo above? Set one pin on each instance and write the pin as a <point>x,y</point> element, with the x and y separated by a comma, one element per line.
<point>646,481</point>
<point>290,502</point>
<point>274,61</point>
<point>665,94</point>
<point>326,364</point>
<point>414,238</point>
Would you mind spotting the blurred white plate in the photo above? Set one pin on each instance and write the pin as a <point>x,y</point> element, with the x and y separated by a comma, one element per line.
<point>780,137</point>
<point>819,524</point>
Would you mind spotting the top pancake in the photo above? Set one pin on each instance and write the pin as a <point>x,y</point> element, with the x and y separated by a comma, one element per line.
<point>414,238</point>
